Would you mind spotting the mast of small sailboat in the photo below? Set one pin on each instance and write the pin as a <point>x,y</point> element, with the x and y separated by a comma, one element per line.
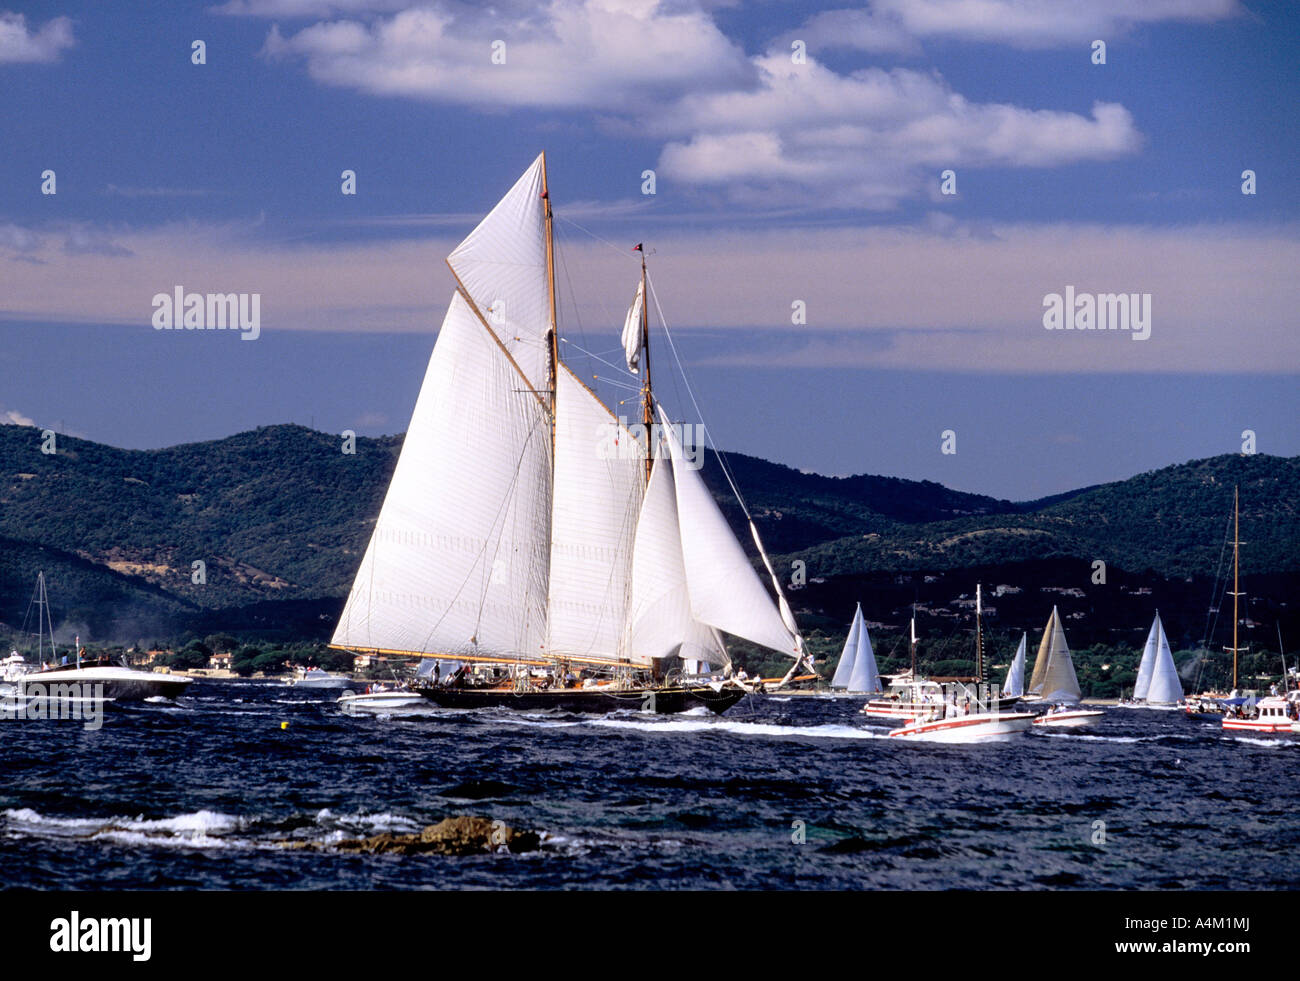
<point>1236,588</point>
<point>979,636</point>
<point>914,648</point>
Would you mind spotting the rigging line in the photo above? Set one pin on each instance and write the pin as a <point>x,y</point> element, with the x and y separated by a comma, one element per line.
<point>604,241</point>
<point>726,471</point>
<point>597,357</point>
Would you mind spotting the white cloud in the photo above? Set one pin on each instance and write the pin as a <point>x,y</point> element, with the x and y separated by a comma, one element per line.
<point>603,54</point>
<point>13,417</point>
<point>893,25</point>
<point>17,238</point>
<point>306,8</point>
<point>1223,296</point>
<point>18,43</point>
<point>868,139</point>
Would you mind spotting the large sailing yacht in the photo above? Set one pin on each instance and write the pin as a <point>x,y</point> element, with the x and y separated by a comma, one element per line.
<point>560,558</point>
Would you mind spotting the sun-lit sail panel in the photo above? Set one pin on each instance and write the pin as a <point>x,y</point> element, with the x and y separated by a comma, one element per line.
<point>502,265</point>
<point>660,617</point>
<point>1143,682</point>
<point>458,560</point>
<point>633,332</point>
<point>725,590</point>
<point>599,478</point>
<point>844,669</point>
<point>1054,678</point>
<point>1014,686</point>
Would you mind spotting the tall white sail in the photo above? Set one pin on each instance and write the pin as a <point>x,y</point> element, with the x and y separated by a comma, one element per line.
<point>1015,683</point>
<point>502,265</point>
<point>1054,678</point>
<point>599,483</point>
<point>724,588</point>
<point>660,616</point>
<point>458,560</point>
<point>1165,687</point>
<point>1143,683</point>
<point>865,676</point>
<point>844,669</point>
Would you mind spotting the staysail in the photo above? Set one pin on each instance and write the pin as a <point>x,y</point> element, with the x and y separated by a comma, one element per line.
<point>865,676</point>
<point>1054,679</point>
<point>1015,684</point>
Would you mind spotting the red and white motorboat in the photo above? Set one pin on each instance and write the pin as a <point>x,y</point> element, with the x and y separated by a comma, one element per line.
<point>951,726</point>
<point>1069,718</point>
<point>1272,714</point>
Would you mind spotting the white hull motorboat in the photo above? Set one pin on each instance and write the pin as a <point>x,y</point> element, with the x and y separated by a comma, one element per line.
<point>1070,718</point>
<point>381,701</point>
<point>976,727</point>
<point>119,684</point>
<point>316,678</point>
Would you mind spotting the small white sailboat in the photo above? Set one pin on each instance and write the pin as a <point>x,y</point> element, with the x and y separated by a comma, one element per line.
<point>1157,684</point>
<point>1053,679</point>
<point>857,671</point>
<point>1014,685</point>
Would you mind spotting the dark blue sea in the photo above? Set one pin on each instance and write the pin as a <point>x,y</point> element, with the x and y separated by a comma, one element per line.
<point>782,792</point>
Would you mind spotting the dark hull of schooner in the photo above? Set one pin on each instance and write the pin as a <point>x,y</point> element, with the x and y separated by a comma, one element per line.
<point>664,701</point>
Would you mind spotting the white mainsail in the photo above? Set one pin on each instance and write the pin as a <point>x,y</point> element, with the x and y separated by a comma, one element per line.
<point>865,676</point>
<point>599,484</point>
<point>844,669</point>
<point>458,560</point>
<point>1143,683</point>
<point>1054,679</point>
<point>1164,686</point>
<point>1015,683</point>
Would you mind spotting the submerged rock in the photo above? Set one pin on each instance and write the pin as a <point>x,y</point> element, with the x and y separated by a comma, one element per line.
<point>464,835</point>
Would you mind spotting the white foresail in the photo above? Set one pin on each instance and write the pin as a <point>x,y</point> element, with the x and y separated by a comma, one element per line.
<point>844,669</point>
<point>599,483</point>
<point>1143,683</point>
<point>1015,683</point>
<point>725,590</point>
<point>660,618</point>
<point>632,331</point>
<point>1165,687</point>
<point>458,560</point>
<point>502,265</point>
<point>865,677</point>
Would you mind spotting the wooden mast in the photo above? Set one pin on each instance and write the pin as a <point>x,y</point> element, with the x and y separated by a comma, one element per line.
<point>552,334</point>
<point>647,401</point>
<point>914,647</point>
<point>1236,589</point>
<point>979,638</point>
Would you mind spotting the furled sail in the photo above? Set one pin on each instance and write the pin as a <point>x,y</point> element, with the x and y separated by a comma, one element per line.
<point>502,265</point>
<point>661,623</point>
<point>844,669</point>
<point>1054,678</point>
<point>632,333</point>
<point>725,590</point>
<point>599,483</point>
<point>865,676</point>
<point>1015,683</point>
<point>458,561</point>
<point>1165,688</point>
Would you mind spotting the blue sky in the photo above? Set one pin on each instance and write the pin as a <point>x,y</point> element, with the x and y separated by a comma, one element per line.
<point>776,181</point>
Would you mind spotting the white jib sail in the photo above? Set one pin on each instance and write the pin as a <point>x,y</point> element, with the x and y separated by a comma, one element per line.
<point>1015,683</point>
<point>844,669</point>
<point>660,617</point>
<point>1143,683</point>
<point>599,478</point>
<point>632,331</point>
<point>502,264</point>
<point>1165,687</point>
<point>725,590</point>
<point>458,560</point>
<point>1058,682</point>
<point>865,677</point>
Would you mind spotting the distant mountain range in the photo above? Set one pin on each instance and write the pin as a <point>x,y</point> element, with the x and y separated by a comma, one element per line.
<point>280,517</point>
